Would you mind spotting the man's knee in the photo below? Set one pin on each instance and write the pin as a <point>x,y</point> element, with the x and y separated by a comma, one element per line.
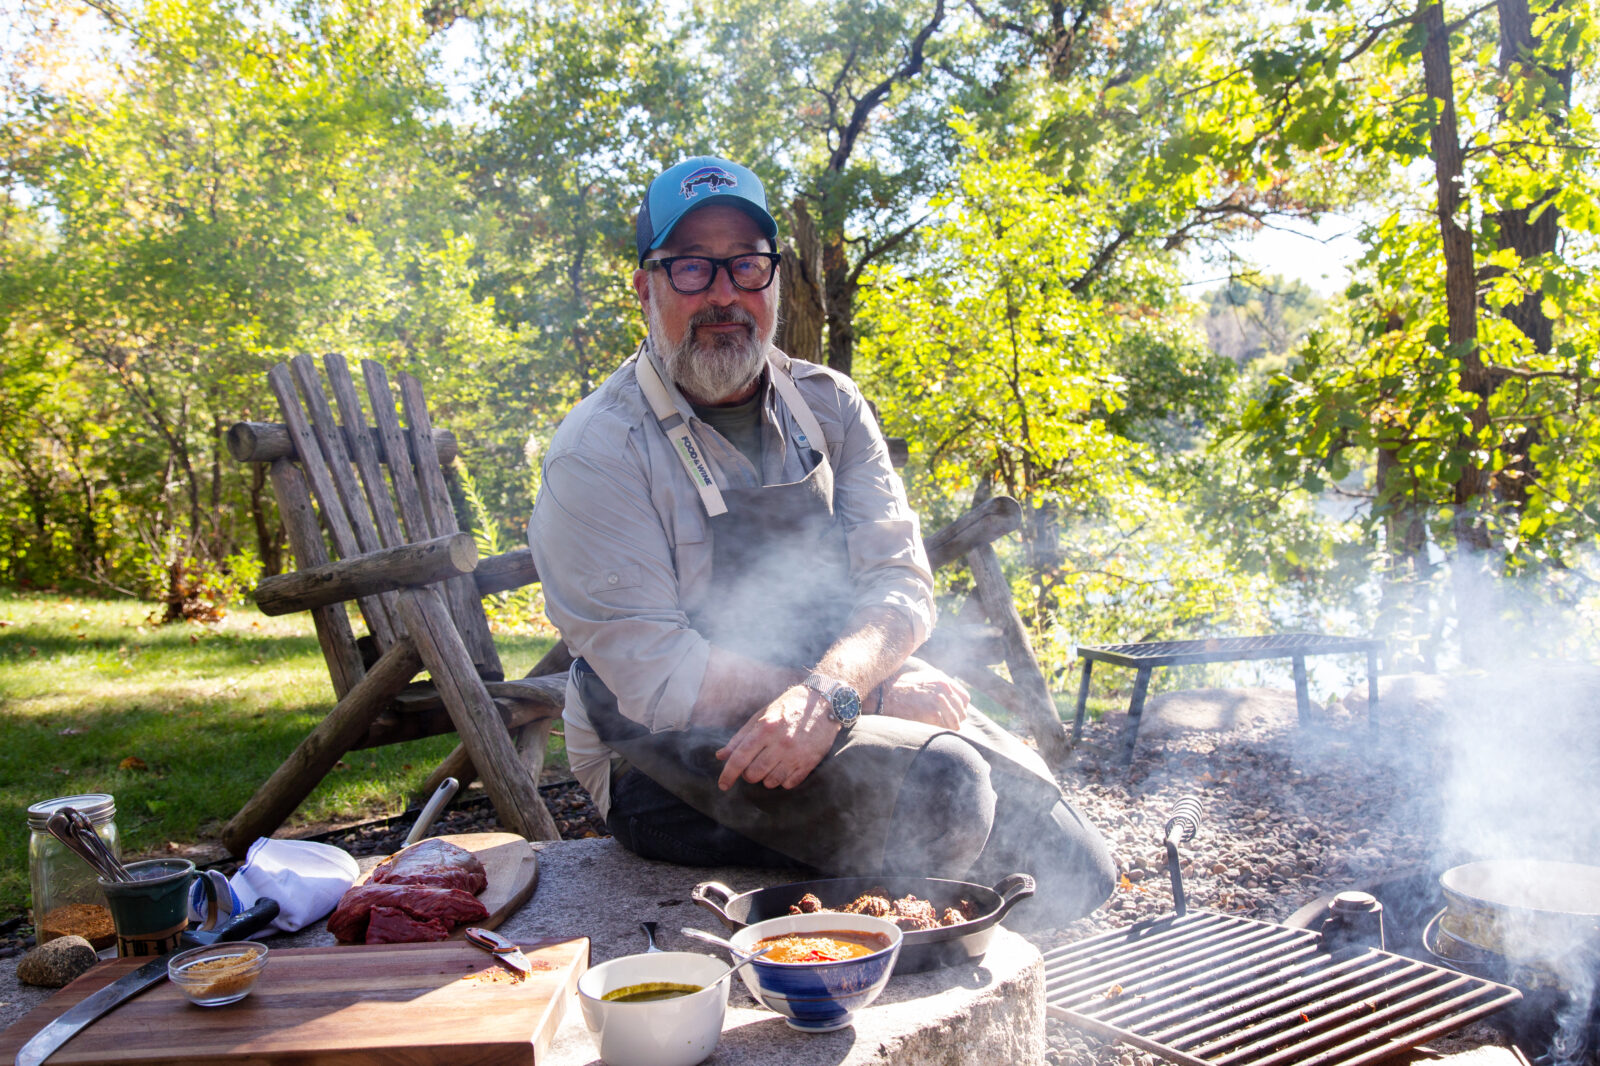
<point>944,810</point>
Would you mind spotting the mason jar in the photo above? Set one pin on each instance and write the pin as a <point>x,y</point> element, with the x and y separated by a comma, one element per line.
<point>66,898</point>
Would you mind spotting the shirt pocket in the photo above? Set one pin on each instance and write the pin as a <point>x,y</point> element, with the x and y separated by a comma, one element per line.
<point>692,560</point>
<point>614,579</point>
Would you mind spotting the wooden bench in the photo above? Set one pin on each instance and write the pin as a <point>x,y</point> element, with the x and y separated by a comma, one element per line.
<point>1148,655</point>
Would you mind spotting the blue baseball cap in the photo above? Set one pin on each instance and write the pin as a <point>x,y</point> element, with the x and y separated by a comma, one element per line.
<point>691,184</point>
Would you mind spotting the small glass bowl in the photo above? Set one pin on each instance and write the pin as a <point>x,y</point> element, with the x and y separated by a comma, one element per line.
<point>218,973</point>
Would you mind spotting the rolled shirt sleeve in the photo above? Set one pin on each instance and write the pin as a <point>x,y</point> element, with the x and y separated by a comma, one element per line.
<point>611,588</point>
<point>888,563</point>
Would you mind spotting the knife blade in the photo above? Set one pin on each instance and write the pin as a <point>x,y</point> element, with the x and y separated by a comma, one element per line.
<point>44,1043</point>
<point>501,948</point>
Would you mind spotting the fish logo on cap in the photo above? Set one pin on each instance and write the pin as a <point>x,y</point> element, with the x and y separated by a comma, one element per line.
<point>713,178</point>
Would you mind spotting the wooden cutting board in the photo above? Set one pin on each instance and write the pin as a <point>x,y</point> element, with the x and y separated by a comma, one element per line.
<point>513,871</point>
<point>447,1003</point>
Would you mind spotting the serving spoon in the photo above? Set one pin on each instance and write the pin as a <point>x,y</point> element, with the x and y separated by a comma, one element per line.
<point>712,938</point>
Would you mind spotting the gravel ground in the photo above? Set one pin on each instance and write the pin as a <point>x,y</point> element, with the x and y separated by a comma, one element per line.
<point>1290,814</point>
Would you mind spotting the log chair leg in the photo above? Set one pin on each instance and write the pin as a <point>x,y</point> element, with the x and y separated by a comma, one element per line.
<point>1372,693</point>
<point>1044,722</point>
<point>1141,688</point>
<point>515,796</point>
<point>533,744</point>
<point>310,762</point>
<point>1083,701</point>
<point>458,764</point>
<point>1302,692</point>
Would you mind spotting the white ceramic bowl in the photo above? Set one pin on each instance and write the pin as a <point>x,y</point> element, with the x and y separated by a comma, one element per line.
<point>819,997</point>
<point>665,1032</point>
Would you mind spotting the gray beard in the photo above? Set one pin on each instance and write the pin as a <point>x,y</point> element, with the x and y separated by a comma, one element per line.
<point>719,366</point>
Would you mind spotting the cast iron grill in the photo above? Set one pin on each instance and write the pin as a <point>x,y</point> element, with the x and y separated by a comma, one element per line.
<point>1205,988</point>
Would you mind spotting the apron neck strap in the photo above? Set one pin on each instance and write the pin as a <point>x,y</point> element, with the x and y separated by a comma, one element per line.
<point>677,431</point>
<point>810,431</point>
<point>683,443</point>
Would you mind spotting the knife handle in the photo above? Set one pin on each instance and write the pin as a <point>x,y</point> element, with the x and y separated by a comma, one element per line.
<point>252,919</point>
<point>490,941</point>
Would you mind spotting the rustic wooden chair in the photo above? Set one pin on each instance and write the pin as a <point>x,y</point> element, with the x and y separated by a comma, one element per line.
<point>377,490</point>
<point>988,630</point>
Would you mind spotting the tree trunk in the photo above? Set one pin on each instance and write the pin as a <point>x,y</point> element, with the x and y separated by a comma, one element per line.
<point>1531,232</point>
<point>840,302</point>
<point>804,303</point>
<point>1461,297</point>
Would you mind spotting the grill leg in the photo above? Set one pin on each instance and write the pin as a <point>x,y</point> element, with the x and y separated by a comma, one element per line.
<point>1372,692</point>
<point>1302,691</point>
<point>1141,687</point>
<point>1083,700</point>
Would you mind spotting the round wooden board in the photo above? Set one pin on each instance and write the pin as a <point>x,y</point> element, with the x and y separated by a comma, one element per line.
<point>510,862</point>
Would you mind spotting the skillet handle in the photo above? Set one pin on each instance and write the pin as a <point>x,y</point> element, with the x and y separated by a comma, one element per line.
<point>715,896</point>
<point>1013,890</point>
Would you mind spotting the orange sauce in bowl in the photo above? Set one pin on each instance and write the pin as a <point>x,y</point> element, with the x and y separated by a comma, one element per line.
<point>827,945</point>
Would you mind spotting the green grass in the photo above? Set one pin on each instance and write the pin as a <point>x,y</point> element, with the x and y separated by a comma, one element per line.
<point>180,723</point>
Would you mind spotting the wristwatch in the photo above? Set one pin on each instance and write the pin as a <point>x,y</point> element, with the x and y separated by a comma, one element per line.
<point>844,702</point>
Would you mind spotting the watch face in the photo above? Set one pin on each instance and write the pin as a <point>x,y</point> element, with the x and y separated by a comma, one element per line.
<point>846,705</point>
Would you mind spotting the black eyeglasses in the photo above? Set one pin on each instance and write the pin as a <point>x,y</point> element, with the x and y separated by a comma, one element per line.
<point>689,274</point>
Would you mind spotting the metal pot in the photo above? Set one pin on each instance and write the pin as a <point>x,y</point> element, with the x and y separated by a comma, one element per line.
<point>1523,909</point>
<point>922,949</point>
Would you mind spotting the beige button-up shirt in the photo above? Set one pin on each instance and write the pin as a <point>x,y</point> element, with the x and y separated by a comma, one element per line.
<point>623,543</point>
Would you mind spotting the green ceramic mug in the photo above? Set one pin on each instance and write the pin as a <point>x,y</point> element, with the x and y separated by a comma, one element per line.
<point>153,909</point>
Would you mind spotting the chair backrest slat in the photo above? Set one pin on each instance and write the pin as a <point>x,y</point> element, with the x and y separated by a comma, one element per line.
<point>380,610</point>
<point>461,593</point>
<point>366,453</point>
<point>397,451</point>
<point>299,518</point>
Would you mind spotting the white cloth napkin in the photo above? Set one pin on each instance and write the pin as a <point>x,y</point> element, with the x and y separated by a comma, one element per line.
<point>305,877</point>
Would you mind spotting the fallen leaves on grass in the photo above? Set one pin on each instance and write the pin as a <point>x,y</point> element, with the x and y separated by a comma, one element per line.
<point>132,762</point>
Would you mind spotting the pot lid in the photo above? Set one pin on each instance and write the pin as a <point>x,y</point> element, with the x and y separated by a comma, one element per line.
<point>1562,888</point>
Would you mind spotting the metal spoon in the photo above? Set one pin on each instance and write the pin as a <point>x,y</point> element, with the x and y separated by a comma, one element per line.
<point>61,827</point>
<point>650,936</point>
<point>712,938</point>
<point>747,960</point>
<point>86,833</point>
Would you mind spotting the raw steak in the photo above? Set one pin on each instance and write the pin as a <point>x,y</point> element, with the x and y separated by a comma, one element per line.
<point>451,906</point>
<point>433,862</point>
<point>391,925</point>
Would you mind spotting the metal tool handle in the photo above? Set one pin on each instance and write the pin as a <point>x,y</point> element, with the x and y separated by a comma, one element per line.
<point>430,813</point>
<point>1183,821</point>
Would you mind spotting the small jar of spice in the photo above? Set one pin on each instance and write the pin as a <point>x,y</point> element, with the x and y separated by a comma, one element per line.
<point>66,899</point>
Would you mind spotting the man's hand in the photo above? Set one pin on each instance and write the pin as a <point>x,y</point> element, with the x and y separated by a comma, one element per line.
<point>923,693</point>
<point>780,745</point>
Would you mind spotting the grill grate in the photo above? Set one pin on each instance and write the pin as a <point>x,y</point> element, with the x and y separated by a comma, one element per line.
<point>1213,989</point>
<point>1225,649</point>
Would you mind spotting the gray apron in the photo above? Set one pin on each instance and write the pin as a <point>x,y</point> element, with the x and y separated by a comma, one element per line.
<point>780,569</point>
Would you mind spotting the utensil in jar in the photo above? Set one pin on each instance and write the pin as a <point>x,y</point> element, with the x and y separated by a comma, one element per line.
<point>62,828</point>
<point>649,936</point>
<point>86,833</point>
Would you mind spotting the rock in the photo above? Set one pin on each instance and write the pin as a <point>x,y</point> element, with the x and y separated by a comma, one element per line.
<point>57,962</point>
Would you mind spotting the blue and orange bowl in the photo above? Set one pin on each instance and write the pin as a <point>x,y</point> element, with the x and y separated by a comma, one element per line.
<point>819,997</point>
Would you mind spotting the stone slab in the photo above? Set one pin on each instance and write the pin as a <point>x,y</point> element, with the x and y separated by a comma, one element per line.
<point>992,1012</point>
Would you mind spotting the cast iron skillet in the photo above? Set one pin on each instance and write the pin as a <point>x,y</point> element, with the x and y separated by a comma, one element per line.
<point>923,949</point>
